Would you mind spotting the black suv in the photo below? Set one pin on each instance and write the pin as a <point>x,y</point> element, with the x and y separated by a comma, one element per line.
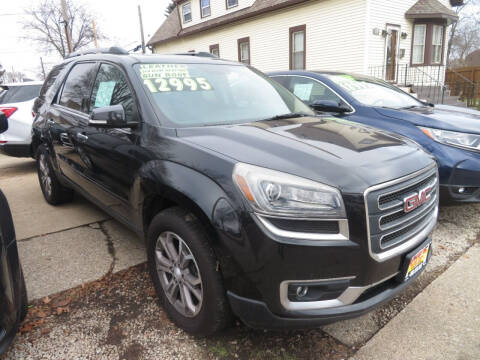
<point>249,203</point>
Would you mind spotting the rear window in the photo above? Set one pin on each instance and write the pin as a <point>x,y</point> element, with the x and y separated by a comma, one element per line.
<point>19,93</point>
<point>50,80</point>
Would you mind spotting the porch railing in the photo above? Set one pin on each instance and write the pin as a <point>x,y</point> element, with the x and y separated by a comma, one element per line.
<point>428,82</point>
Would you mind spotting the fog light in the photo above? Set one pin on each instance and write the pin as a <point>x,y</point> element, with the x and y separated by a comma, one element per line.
<point>302,291</point>
<point>461,190</point>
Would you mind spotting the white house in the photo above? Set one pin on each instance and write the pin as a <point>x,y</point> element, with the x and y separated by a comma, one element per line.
<point>399,40</point>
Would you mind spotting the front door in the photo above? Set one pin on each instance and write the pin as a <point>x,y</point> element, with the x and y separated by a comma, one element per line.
<point>391,53</point>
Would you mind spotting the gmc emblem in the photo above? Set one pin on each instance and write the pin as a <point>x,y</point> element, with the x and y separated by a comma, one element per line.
<point>412,202</point>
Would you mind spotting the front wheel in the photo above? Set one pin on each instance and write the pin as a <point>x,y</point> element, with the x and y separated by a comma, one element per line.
<point>183,269</point>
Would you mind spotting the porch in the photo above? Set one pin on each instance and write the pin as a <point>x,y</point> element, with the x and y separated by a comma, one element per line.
<point>434,84</point>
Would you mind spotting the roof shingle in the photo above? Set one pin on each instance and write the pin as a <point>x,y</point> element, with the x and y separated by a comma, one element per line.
<point>430,9</point>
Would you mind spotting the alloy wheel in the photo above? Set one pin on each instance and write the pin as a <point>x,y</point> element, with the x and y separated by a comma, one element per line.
<point>45,175</point>
<point>179,275</point>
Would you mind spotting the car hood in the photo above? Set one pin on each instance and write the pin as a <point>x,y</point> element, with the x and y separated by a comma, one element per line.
<point>333,151</point>
<point>443,117</point>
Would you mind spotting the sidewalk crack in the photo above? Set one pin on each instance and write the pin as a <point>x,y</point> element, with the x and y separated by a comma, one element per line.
<point>110,247</point>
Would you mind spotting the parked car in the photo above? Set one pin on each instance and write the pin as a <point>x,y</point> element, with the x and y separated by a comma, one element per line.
<point>13,294</point>
<point>16,102</point>
<point>249,203</point>
<point>451,134</point>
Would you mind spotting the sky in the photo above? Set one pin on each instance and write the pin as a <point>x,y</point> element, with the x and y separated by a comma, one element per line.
<point>118,20</point>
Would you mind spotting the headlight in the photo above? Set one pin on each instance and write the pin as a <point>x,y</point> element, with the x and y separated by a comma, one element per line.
<point>463,140</point>
<point>272,192</point>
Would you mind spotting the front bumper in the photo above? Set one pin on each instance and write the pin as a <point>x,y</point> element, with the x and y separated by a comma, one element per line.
<point>256,314</point>
<point>459,172</point>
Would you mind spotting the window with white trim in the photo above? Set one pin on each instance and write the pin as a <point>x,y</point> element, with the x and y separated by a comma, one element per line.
<point>437,44</point>
<point>231,3</point>
<point>419,37</point>
<point>205,8</point>
<point>187,12</point>
<point>244,50</point>
<point>297,46</point>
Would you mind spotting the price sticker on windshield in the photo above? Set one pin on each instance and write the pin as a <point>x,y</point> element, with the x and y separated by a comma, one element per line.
<point>160,78</point>
<point>177,84</point>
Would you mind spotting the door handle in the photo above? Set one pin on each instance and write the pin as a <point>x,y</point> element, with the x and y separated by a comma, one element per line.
<point>82,137</point>
<point>65,140</point>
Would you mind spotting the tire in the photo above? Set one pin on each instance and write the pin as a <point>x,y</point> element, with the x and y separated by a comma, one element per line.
<point>201,317</point>
<point>24,299</point>
<point>53,191</point>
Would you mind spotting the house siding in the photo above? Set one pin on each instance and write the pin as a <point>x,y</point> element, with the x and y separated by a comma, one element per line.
<point>331,44</point>
<point>217,8</point>
<point>394,14</point>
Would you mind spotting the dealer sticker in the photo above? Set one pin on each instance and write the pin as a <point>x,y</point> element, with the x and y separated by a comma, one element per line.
<point>418,262</point>
<point>160,78</point>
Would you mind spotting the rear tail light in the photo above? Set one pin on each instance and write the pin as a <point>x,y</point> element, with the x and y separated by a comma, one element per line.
<point>8,111</point>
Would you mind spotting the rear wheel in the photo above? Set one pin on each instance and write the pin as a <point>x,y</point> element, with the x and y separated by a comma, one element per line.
<point>183,269</point>
<point>53,191</point>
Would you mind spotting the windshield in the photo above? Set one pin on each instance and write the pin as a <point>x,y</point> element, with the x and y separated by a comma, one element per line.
<point>208,94</point>
<point>372,93</point>
<point>18,93</point>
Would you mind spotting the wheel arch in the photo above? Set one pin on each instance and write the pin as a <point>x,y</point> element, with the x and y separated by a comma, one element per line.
<point>165,184</point>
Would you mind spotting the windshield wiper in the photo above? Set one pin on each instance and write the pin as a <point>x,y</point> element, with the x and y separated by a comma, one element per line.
<point>287,116</point>
<point>413,107</point>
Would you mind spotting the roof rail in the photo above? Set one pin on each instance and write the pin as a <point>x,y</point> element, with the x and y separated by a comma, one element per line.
<point>199,53</point>
<point>111,50</point>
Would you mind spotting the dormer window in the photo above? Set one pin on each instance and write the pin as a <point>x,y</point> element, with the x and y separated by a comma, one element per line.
<point>231,3</point>
<point>187,12</point>
<point>205,8</point>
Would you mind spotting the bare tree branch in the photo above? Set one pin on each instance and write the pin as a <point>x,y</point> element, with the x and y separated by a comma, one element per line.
<point>468,22</point>
<point>45,25</point>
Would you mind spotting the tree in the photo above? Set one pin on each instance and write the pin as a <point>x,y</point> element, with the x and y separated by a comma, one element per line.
<point>45,25</point>
<point>170,7</point>
<point>463,29</point>
<point>465,41</point>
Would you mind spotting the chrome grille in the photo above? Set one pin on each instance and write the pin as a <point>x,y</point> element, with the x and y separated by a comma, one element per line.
<point>389,224</point>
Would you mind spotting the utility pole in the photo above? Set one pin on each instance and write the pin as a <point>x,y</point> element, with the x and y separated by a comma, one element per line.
<point>43,68</point>
<point>141,29</point>
<point>94,33</point>
<point>67,27</point>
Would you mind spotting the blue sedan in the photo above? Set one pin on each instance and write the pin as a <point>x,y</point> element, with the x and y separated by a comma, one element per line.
<point>451,134</point>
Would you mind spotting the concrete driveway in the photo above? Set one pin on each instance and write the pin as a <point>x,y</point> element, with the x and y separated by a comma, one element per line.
<point>91,296</point>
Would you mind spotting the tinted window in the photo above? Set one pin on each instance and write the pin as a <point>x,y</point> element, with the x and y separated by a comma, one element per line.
<point>14,94</point>
<point>111,88</point>
<point>52,76</point>
<point>307,89</point>
<point>207,94</point>
<point>76,89</point>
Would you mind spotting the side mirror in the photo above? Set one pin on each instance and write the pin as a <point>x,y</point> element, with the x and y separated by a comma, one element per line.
<point>329,106</point>
<point>109,117</point>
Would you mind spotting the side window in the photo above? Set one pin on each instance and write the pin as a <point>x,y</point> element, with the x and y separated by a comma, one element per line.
<point>309,90</point>
<point>111,88</point>
<point>76,89</point>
